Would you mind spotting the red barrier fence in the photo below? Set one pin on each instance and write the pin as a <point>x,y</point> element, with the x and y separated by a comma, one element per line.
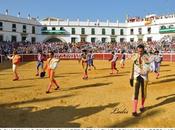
<point>74,56</point>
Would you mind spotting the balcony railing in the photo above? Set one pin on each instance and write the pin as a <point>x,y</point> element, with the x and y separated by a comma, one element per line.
<point>167,30</point>
<point>54,32</point>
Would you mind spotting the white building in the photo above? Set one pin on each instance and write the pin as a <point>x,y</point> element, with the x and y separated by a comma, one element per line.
<point>80,31</point>
<point>19,29</point>
<point>150,28</point>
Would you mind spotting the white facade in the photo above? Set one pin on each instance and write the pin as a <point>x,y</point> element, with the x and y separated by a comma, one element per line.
<point>156,23</point>
<point>14,27</point>
<point>87,36</point>
<point>88,31</point>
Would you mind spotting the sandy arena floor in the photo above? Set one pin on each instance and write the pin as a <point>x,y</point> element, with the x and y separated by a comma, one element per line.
<point>103,100</point>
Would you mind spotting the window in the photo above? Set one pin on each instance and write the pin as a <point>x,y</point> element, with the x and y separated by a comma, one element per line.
<point>140,39</point>
<point>33,29</point>
<point>131,39</point>
<point>13,38</point>
<point>113,40</point>
<point>103,31</point>
<point>103,40</point>
<point>1,25</point>
<point>131,31</point>
<point>1,38</point>
<point>33,39</point>
<point>73,40</point>
<point>83,39</point>
<point>113,31</point>
<point>92,39</point>
<point>61,28</point>
<point>83,31</point>
<point>93,31</point>
<point>121,39</point>
<point>13,27</point>
<point>140,31</point>
<point>149,30</point>
<point>73,30</point>
<point>163,27</point>
<point>171,26</point>
<point>53,28</point>
<point>24,28</point>
<point>23,39</point>
<point>149,39</point>
<point>121,32</point>
<point>44,28</point>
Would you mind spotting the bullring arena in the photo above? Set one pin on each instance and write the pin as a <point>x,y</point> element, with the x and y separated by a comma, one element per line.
<point>103,100</point>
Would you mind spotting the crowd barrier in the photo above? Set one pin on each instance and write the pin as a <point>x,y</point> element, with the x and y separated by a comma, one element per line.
<point>75,56</point>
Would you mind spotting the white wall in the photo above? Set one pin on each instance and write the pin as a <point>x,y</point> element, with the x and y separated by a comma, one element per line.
<point>88,25</point>
<point>7,31</point>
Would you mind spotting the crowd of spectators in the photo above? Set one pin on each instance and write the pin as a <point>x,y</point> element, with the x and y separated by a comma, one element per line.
<point>149,17</point>
<point>60,47</point>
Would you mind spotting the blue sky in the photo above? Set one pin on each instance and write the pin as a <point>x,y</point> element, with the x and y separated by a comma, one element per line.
<point>87,9</point>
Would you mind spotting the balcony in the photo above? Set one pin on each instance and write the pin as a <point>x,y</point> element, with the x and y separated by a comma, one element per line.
<point>169,29</point>
<point>54,32</point>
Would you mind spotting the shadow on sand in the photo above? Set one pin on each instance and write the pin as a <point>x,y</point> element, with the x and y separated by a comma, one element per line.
<point>59,116</point>
<point>168,99</point>
<point>164,70</point>
<point>35,100</point>
<point>167,76</point>
<point>165,65</point>
<point>71,73</point>
<point>108,76</point>
<point>134,120</point>
<point>89,86</point>
<point>163,81</point>
<point>24,86</point>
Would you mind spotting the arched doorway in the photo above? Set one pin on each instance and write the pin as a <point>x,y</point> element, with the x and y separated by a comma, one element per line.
<point>54,39</point>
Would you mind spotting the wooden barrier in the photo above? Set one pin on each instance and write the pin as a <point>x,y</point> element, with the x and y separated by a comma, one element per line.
<point>75,56</point>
